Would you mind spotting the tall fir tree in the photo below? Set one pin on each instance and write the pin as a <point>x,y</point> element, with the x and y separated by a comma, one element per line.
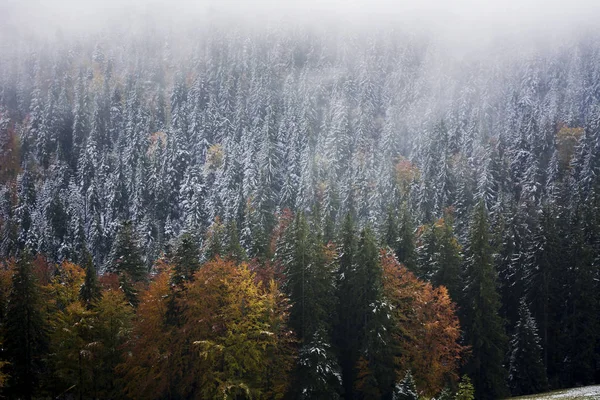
<point>26,331</point>
<point>526,373</point>
<point>90,291</point>
<point>484,328</point>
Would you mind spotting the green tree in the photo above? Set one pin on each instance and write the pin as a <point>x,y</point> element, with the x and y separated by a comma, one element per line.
<point>527,373</point>
<point>126,261</point>
<point>26,331</point>
<point>73,350</point>
<point>90,291</point>
<point>363,331</point>
<point>448,271</point>
<point>406,389</point>
<point>309,270</point>
<point>405,246</point>
<point>465,391</point>
<point>126,256</point>
<point>113,326</point>
<point>234,249</point>
<point>186,259</point>
<point>484,328</point>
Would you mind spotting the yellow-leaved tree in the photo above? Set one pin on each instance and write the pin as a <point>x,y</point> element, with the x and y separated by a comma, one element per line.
<point>240,345</point>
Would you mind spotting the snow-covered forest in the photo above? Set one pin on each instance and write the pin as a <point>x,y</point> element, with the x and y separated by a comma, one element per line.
<point>366,199</point>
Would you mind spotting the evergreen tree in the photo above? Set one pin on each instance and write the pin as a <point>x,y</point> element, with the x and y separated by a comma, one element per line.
<point>346,331</point>
<point>406,389</point>
<point>126,261</point>
<point>484,328</point>
<point>26,332</point>
<point>465,391</point>
<point>405,247</point>
<point>186,260</point>
<point>90,290</point>
<point>527,373</point>
<point>126,257</point>
<point>234,249</point>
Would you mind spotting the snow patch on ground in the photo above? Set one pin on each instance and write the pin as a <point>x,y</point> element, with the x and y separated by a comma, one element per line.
<point>588,392</point>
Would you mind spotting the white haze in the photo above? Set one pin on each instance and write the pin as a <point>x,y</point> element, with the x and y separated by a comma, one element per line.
<point>460,22</point>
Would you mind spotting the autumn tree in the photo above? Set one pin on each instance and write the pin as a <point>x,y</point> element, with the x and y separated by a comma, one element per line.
<point>236,330</point>
<point>150,363</point>
<point>428,330</point>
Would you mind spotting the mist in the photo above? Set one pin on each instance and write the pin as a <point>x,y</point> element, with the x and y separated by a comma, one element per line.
<point>460,22</point>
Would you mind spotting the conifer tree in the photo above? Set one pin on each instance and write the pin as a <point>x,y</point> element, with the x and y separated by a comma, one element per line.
<point>405,247</point>
<point>186,259</point>
<point>345,332</point>
<point>234,249</point>
<point>406,389</point>
<point>90,290</point>
<point>484,328</point>
<point>309,284</point>
<point>465,391</point>
<point>126,261</point>
<point>26,331</point>
<point>527,373</point>
<point>126,257</point>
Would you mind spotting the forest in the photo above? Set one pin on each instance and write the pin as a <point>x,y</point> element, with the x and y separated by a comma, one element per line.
<point>286,213</point>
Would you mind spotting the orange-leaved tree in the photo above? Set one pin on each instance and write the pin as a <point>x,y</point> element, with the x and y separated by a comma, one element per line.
<point>149,363</point>
<point>428,328</point>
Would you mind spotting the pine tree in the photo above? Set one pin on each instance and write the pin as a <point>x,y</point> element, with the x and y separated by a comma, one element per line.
<point>234,249</point>
<point>90,290</point>
<point>465,391</point>
<point>527,373</point>
<point>345,332</point>
<point>406,389</point>
<point>186,259</point>
<point>126,261</point>
<point>484,328</point>
<point>405,247</point>
<point>126,257</point>
<point>308,268</point>
<point>113,325</point>
<point>26,331</point>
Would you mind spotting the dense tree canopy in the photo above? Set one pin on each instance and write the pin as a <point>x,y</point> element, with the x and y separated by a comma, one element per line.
<point>307,213</point>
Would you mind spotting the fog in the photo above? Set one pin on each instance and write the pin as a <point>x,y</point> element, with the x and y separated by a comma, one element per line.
<point>464,22</point>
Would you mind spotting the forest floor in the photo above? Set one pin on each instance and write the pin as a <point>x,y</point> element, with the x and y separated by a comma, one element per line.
<point>587,393</point>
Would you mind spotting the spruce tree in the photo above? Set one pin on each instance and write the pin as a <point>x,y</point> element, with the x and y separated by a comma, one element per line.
<point>26,332</point>
<point>234,249</point>
<point>346,332</point>
<point>527,373</point>
<point>126,256</point>
<point>484,328</point>
<point>405,247</point>
<point>126,261</point>
<point>465,391</point>
<point>406,389</point>
<point>90,291</point>
<point>186,259</point>
<point>448,271</point>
